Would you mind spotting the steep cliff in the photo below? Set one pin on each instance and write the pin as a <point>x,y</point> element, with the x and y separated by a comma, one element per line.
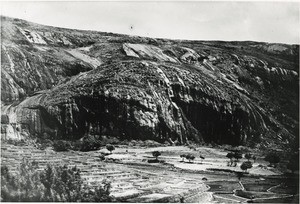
<point>62,83</point>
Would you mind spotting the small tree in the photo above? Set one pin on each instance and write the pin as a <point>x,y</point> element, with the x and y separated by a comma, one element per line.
<point>248,156</point>
<point>230,155</point>
<point>110,148</point>
<point>272,158</point>
<point>182,156</point>
<point>238,156</point>
<point>246,165</point>
<point>156,154</point>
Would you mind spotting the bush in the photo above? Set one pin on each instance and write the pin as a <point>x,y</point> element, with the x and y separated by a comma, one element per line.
<point>273,158</point>
<point>110,147</point>
<point>90,143</point>
<point>16,142</point>
<point>54,184</point>
<point>61,145</point>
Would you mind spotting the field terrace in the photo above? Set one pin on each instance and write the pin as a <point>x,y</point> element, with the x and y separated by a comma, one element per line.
<point>143,184</point>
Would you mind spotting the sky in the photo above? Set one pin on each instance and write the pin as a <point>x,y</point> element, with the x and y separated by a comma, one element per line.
<point>276,22</point>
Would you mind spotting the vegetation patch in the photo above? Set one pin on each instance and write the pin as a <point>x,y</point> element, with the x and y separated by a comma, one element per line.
<point>53,184</point>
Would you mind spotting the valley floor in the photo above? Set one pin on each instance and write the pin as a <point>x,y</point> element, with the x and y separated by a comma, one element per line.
<point>133,179</point>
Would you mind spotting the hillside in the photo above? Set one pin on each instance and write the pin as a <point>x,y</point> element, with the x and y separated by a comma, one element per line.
<point>60,83</point>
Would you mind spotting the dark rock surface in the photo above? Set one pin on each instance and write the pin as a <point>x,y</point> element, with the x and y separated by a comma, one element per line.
<point>62,83</point>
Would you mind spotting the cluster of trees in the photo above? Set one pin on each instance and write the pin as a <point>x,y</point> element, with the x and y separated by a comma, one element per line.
<point>85,144</point>
<point>234,157</point>
<point>53,184</point>
<point>273,158</point>
<point>190,157</point>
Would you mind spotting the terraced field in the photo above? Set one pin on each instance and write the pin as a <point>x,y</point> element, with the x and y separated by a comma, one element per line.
<point>133,179</point>
<point>128,183</point>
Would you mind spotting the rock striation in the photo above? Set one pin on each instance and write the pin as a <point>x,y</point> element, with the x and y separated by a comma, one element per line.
<point>64,85</point>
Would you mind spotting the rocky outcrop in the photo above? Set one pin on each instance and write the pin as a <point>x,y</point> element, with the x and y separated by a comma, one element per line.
<point>108,84</point>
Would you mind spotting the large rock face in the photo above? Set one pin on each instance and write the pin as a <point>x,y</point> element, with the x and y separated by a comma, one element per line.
<point>62,83</point>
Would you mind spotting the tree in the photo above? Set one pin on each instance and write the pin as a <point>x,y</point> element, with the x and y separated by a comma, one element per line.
<point>230,155</point>
<point>110,148</point>
<point>156,154</point>
<point>273,158</point>
<point>248,156</point>
<point>246,165</point>
<point>238,156</point>
<point>182,156</point>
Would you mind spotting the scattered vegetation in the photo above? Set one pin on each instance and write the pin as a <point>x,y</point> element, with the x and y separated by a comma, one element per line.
<point>53,184</point>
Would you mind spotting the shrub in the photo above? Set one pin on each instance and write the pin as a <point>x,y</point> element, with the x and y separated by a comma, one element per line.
<point>110,148</point>
<point>61,145</point>
<point>90,143</point>
<point>54,184</point>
